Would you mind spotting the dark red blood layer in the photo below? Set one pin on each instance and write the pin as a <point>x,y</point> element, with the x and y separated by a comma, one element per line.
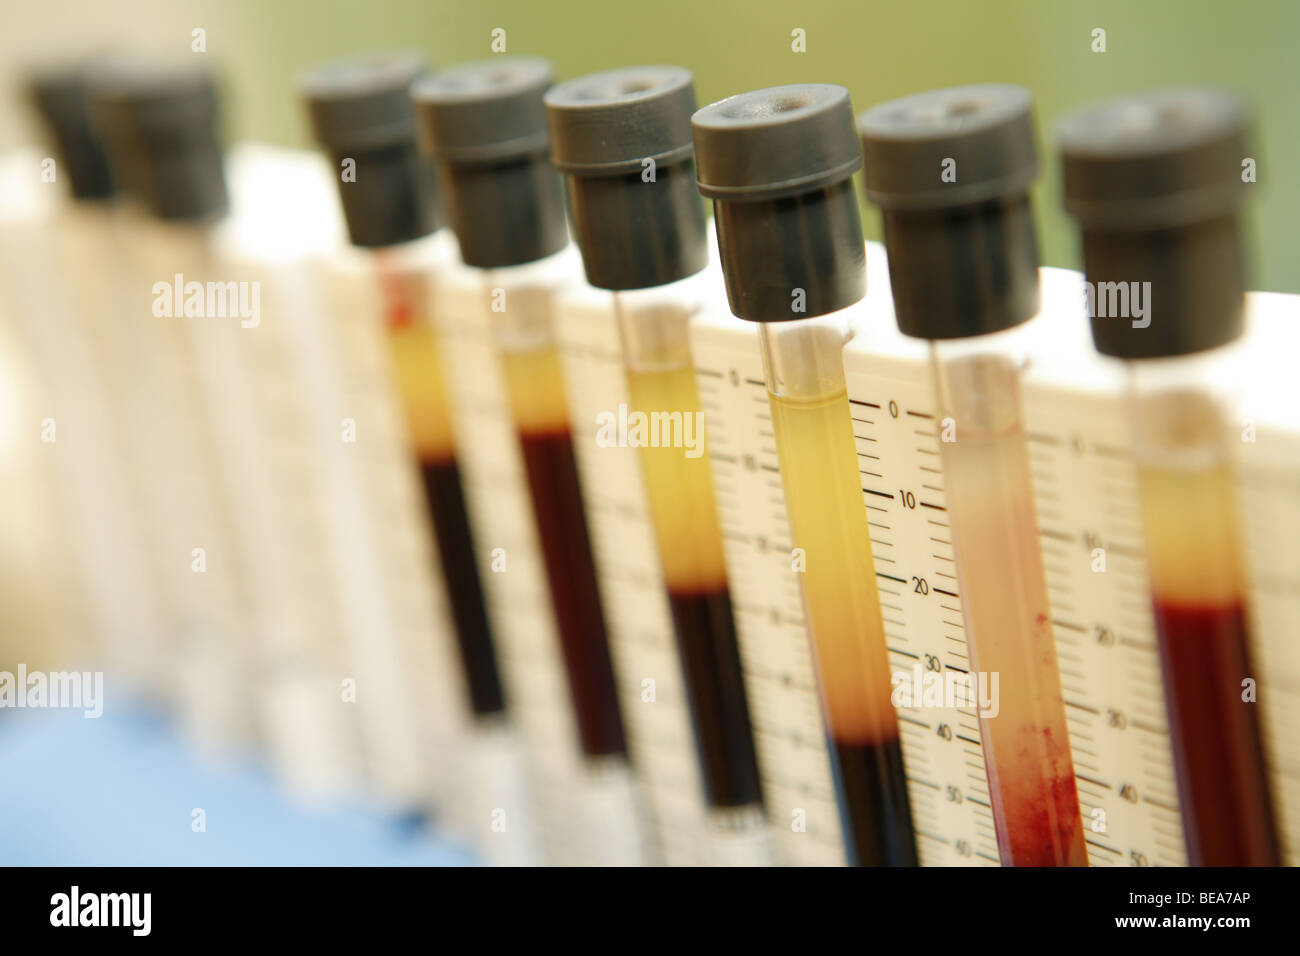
<point>1038,819</point>
<point>1218,754</point>
<point>715,686</point>
<point>446,500</point>
<point>571,576</point>
<point>875,813</point>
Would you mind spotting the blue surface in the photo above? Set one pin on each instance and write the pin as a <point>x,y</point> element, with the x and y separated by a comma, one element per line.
<point>120,791</point>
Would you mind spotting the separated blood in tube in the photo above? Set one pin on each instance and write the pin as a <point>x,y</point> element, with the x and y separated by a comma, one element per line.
<point>1155,182</point>
<point>777,164</point>
<point>643,237</point>
<point>537,403</point>
<point>361,111</point>
<point>422,391</point>
<point>684,511</point>
<point>1198,592</point>
<point>964,272</point>
<point>485,126</point>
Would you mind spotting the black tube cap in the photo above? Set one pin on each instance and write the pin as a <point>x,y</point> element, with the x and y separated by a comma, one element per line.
<point>622,139</point>
<point>951,170</point>
<point>360,111</point>
<point>1156,184</point>
<point>778,164</point>
<point>159,124</point>
<point>62,99</point>
<point>484,125</point>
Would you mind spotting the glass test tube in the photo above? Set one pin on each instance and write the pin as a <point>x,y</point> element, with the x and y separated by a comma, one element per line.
<point>778,164</point>
<point>361,111</point>
<point>422,392</point>
<point>484,126</point>
<point>1186,479</point>
<point>655,328</point>
<point>812,422</point>
<point>88,233</point>
<point>963,264</point>
<point>644,237</point>
<point>530,361</point>
<point>1179,247</point>
<point>988,486</point>
<point>158,122</point>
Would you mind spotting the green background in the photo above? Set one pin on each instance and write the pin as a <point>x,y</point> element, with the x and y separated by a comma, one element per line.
<point>879,50</point>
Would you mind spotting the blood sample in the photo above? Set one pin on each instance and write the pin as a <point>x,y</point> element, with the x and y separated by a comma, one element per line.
<point>536,390</point>
<point>421,388</point>
<point>484,125</point>
<point>361,111</point>
<point>643,236</point>
<point>814,436</point>
<point>1155,182</point>
<point>777,164</point>
<point>951,170</point>
<point>1198,593</point>
<point>682,504</point>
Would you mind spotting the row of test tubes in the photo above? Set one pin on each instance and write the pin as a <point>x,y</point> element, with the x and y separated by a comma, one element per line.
<point>514,165</point>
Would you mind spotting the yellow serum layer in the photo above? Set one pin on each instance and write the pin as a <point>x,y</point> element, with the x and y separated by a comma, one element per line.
<point>422,391</point>
<point>680,488</point>
<point>536,390</point>
<point>1193,551</point>
<point>829,523</point>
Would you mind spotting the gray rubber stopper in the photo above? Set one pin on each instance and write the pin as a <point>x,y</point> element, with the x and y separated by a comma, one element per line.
<point>1156,183</point>
<point>62,99</point>
<point>159,125</point>
<point>778,164</point>
<point>360,111</point>
<point>622,139</point>
<point>484,125</point>
<point>951,171</point>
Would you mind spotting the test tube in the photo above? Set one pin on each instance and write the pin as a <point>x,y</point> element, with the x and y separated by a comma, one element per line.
<point>97,370</point>
<point>1156,184</point>
<point>778,165</point>
<point>485,127</point>
<point>951,171</point>
<point>61,97</point>
<point>158,123</point>
<point>622,139</point>
<point>360,110</point>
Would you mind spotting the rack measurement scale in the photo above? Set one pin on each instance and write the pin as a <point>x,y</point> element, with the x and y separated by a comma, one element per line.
<point>70,332</point>
<point>270,460</point>
<point>306,526</point>
<point>47,341</point>
<point>1085,486</point>
<point>899,455</point>
<point>1270,497</point>
<point>632,585</point>
<point>1123,691</point>
<point>179,431</point>
<point>897,437</point>
<point>948,785</point>
<point>779,677</point>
